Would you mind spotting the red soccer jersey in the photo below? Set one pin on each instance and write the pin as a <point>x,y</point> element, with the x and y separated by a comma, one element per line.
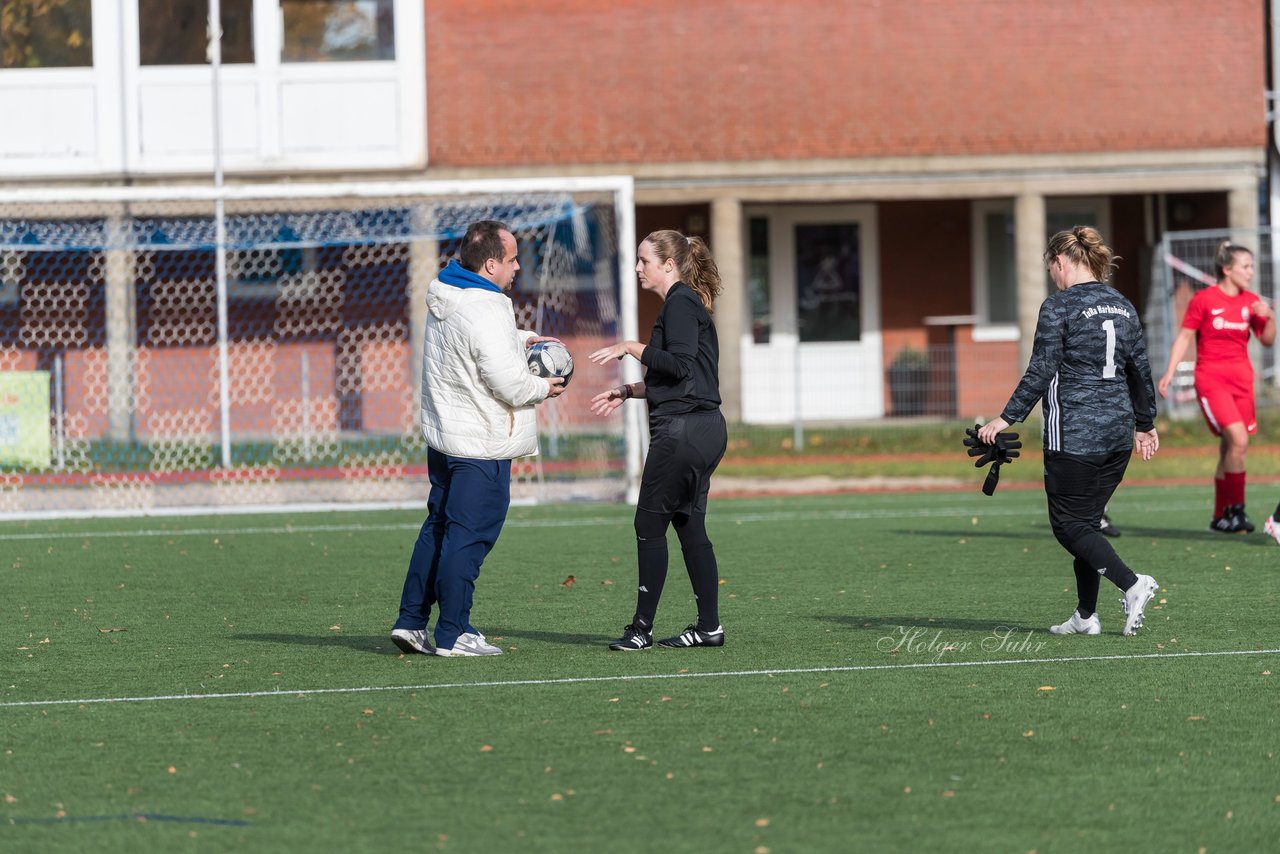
<point>1222,326</point>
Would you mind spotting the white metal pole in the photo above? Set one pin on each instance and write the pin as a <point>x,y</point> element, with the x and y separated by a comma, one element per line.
<point>633,424</point>
<point>59,413</point>
<point>797,391</point>
<point>220,231</point>
<point>306,407</point>
<point>1273,182</point>
<point>542,413</point>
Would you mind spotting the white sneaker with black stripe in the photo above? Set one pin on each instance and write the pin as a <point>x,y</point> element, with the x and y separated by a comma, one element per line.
<point>413,640</point>
<point>692,637</point>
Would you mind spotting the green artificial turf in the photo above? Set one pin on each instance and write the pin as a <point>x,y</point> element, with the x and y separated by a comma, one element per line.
<point>888,684</point>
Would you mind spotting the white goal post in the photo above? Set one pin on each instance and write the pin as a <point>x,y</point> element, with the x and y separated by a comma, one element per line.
<point>180,349</point>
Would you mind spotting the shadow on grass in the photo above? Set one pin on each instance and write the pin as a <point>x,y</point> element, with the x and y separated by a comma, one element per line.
<point>970,534</point>
<point>1128,533</point>
<point>382,645</point>
<point>379,644</point>
<point>927,624</point>
<point>1254,540</point>
<point>566,638</point>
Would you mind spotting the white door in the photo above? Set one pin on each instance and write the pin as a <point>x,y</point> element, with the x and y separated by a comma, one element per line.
<point>813,351</point>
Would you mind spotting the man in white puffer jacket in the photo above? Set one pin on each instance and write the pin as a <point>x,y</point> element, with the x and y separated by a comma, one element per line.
<point>477,414</point>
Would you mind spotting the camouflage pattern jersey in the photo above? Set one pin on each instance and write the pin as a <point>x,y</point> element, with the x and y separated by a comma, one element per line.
<point>1089,367</point>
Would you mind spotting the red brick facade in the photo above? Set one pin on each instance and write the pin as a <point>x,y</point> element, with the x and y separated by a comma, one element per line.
<point>578,81</point>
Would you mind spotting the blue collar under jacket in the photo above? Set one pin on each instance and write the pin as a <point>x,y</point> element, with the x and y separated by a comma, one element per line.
<point>460,277</point>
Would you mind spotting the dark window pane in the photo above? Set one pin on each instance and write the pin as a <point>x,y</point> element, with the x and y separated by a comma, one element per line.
<point>828,282</point>
<point>338,30</point>
<point>758,279</point>
<point>1064,220</point>
<point>176,32</point>
<point>1002,285</point>
<point>46,34</point>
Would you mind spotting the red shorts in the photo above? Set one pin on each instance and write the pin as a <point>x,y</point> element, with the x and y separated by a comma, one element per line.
<point>1223,406</point>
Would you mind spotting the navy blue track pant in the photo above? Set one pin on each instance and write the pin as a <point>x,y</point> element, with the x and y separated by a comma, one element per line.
<point>466,508</point>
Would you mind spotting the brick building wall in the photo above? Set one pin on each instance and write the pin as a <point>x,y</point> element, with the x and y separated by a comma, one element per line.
<point>578,81</point>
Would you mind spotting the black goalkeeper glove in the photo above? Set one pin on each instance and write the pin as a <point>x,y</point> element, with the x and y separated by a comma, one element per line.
<point>1005,449</point>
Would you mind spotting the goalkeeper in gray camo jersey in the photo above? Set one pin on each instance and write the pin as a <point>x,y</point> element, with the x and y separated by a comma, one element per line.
<point>1089,370</point>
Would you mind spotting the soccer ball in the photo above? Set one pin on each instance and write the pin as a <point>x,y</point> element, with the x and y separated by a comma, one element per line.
<point>551,359</point>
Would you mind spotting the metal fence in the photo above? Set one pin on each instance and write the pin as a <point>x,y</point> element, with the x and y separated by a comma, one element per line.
<point>1183,264</point>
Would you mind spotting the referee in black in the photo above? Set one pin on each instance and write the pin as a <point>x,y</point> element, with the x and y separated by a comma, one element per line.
<point>687,433</point>
<point>1089,369</point>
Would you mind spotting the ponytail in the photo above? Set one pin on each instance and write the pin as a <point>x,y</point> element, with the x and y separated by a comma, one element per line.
<point>694,262</point>
<point>1226,257</point>
<point>1083,246</point>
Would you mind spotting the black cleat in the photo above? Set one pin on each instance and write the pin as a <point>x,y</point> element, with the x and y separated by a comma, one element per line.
<point>692,637</point>
<point>634,637</point>
<point>1232,521</point>
<point>1106,528</point>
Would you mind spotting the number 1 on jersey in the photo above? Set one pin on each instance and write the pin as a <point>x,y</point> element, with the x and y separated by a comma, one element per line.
<point>1109,366</point>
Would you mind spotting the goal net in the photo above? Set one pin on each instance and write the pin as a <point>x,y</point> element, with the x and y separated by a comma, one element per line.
<point>179,349</point>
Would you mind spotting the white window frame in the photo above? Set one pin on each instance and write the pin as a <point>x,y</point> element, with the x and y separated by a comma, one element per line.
<point>985,331</point>
<point>779,383</point>
<point>110,138</point>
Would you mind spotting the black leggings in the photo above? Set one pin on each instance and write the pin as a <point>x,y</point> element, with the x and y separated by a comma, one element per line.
<point>1078,488</point>
<point>699,562</point>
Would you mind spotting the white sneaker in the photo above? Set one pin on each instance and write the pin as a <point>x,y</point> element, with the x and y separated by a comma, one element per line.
<point>1272,527</point>
<point>471,643</point>
<point>1135,602</point>
<point>413,640</point>
<point>1078,625</point>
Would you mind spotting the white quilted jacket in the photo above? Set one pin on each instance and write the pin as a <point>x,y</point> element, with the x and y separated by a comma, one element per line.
<point>477,392</point>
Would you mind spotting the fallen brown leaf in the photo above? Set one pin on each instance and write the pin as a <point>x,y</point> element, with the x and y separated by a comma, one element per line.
<point>568,582</point>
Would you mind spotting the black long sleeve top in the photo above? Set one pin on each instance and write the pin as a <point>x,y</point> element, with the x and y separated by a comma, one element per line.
<point>682,357</point>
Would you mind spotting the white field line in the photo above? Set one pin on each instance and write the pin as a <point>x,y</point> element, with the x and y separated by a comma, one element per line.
<point>585,522</point>
<point>579,680</point>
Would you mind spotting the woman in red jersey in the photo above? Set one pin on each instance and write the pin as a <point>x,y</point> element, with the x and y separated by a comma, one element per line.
<point>1219,320</point>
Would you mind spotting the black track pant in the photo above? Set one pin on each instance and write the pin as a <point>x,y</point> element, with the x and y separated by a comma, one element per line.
<point>1078,488</point>
<point>684,450</point>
